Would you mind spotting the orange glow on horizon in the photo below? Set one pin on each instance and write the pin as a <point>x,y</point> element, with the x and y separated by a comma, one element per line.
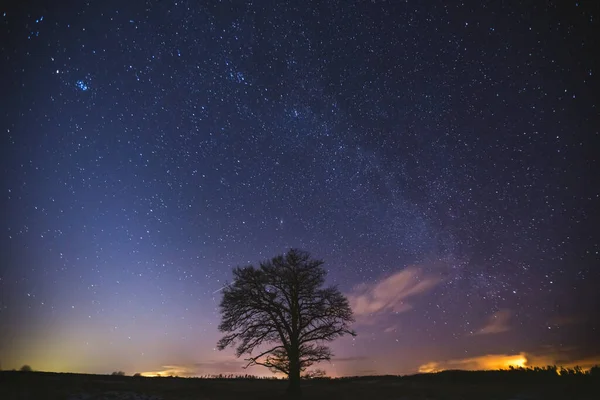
<point>487,362</point>
<point>502,361</point>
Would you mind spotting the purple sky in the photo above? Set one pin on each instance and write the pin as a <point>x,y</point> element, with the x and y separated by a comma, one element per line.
<point>438,157</point>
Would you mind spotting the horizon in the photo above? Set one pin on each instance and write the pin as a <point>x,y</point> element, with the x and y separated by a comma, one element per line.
<point>488,362</point>
<point>506,366</point>
<point>439,158</point>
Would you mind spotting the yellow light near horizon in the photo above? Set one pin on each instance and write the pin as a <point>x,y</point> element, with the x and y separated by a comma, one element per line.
<point>429,368</point>
<point>168,371</point>
<point>492,362</point>
<point>487,362</point>
<point>518,361</point>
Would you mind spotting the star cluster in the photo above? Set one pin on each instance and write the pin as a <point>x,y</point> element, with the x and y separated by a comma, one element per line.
<point>439,157</point>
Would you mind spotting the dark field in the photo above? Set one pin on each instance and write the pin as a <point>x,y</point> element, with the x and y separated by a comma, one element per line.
<point>446,385</point>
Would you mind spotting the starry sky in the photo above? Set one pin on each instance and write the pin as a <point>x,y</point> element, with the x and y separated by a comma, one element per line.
<point>438,156</point>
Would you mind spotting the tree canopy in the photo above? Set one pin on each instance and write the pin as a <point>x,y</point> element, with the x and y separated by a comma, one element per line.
<point>281,310</point>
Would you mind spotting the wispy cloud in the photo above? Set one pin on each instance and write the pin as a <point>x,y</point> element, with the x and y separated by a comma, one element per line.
<point>497,323</point>
<point>391,294</point>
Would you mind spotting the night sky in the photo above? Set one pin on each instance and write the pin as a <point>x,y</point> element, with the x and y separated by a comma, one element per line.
<point>439,157</point>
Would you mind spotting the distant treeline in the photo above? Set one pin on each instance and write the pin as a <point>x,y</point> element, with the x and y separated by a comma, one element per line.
<point>511,375</point>
<point>518,374</point>
<point>214,376</point>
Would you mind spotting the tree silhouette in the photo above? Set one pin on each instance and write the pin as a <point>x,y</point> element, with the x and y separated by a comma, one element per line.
<point>281,310</point>
<point>25,368</point>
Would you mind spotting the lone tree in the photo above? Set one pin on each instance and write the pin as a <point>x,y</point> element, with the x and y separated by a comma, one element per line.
<point>281,310</point>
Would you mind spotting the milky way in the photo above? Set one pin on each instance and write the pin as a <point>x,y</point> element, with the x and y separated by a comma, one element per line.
<point>438,157</point>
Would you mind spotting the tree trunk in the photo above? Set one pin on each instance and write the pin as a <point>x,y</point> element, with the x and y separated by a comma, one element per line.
<point>294,377</point>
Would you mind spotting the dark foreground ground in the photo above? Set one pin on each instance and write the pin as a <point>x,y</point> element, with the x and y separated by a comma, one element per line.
<point>448,385</point>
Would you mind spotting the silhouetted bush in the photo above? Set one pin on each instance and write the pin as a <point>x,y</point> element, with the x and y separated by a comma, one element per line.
<point>118,373</point>
<point>137,375</point>
<point>25,368</point>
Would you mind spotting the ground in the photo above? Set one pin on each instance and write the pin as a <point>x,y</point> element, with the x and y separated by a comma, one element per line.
<point>50,386</point>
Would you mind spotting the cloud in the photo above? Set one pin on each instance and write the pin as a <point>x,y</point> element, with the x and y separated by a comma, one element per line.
<point>497,323</point>
<point>390,295</point>
<point>504,361</point>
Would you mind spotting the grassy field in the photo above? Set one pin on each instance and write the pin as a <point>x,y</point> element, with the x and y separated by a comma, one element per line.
<point>447,385</point>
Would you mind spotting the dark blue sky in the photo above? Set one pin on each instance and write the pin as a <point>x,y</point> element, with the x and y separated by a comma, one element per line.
<point>438,157</point>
